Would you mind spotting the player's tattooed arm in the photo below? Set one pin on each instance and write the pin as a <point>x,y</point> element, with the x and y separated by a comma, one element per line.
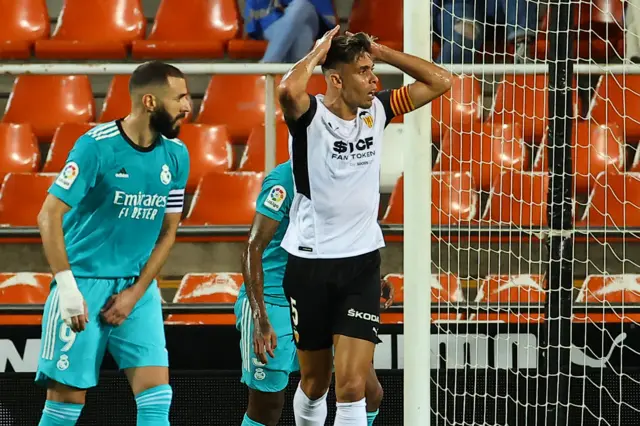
<point>262,231</point>
<point>120,305</point>
<point>292,90</point>
<point>431,82</point>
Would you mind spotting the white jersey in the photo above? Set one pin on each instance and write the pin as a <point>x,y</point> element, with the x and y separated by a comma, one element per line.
<point>336,170</point>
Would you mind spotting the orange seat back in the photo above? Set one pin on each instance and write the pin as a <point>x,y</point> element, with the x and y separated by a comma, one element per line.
<point>98,20</point>
<point>596,149</point>
<point>615,101</point>
<point>117,102</point>
<point>601,291</point>
<point>512,290</point>
<point>46,101</point>
<point>614,202</point>
<point>23,20</point>
<point>19,150</point>
<point>253,158</point>
<point>64,139</point>
<point>12,194</point>
<point>484,153</point>
<point>381,18</point>
<point>237,101</point>
<point>225,199</point>
<point>23,288</point>
<point>457,109</point>
<point>519,198</point>
<point>200,20</point>
<point>453,199</point>
<point>209,151</point>
<point>207,288</point>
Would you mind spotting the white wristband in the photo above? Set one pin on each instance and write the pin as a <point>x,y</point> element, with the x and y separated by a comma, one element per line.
<point>66,281</point>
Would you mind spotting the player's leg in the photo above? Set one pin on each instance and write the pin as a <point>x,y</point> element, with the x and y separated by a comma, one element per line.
<point>373,394</point>
<point>70,362</point>
<point>138,346</point>
<point>266,382</point>
<point>305,286</point>
<point>356,322</point>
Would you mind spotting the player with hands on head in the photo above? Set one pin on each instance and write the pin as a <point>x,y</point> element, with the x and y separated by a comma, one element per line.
<point>332,279</point>
<point>107,226</point>
<point>262,310</point>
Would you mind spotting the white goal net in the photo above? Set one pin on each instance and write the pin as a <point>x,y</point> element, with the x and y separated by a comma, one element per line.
<point>529,222</point>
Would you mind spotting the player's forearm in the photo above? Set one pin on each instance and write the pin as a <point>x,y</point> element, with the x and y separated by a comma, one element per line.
<point>294,83</point>
<point>437,78</point>
<point>50,225</point>
<point>155,263</point>
<point>254,279</point>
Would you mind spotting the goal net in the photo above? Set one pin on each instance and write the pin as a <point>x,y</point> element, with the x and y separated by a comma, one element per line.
<point>536,290</point>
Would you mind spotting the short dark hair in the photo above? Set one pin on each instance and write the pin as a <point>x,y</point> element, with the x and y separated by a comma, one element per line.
<point>346,49</point>
<point>154,72</point>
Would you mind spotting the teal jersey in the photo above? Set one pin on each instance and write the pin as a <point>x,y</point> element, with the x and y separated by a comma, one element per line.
<point>118,193</point>
<point>274,202</point>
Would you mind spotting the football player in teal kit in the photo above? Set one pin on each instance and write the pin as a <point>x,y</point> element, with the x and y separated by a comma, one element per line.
<point>107,227</point>
<point>262,311</point>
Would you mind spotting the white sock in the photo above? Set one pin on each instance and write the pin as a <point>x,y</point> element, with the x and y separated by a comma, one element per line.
<point>308,412</point>
<point>351,413</point>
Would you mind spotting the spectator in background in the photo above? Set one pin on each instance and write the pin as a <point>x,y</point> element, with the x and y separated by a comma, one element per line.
<point>290,26</point>
<point>462,25</point>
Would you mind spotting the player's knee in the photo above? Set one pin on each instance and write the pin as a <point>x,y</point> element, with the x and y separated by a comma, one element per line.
<point>265,408</point>
<point>350,387</point>
<point>153,405</point>
<point>373,395</point>
<point>315,386</point>
<point>58,392</point>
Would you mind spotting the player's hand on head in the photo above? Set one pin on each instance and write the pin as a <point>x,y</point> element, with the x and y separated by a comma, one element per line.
<point>324,43</point>
<point>375,47</point>
<point>388,287</point>
<point>265,339</point>
<point>119,306</point>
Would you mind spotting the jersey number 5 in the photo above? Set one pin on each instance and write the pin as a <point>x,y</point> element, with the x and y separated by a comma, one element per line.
<point>294,312</point>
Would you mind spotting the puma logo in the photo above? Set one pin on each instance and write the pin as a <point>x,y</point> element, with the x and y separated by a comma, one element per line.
<point>579,357</point>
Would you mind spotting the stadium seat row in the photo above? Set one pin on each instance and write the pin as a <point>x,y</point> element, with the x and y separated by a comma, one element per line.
<point>446,289</point>
<point>238,101</point>
<point>516,198</point>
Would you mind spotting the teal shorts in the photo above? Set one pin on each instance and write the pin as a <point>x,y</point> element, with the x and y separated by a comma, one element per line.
<point>74,359</point>
<point>274,375</point>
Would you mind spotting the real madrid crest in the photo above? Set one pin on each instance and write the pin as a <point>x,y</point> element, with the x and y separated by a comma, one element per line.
<point>367,118</point>
<point>165,175</point>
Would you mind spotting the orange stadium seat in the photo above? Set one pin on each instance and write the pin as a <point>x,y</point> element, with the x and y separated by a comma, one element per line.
<point>458,109</point>
<point>225,199</point>
<point>380,18</point>
<point>522,99</point>
<point>209,150</point>
<point>615,101</point>
<point>117,102</point>
<point>510,291</point>
<point>46,101</point>
<point>193,29</point>
<point>253,158</point>
<point>19,150</point>
<point>453,200</point>
<point>22,23</point>
<point>64,139</point>
<point>238,101</point>
<point>207,288</point>
<point>246,48</point>
<point>94,29</point>
<point>606,290</point>
<point>596,149</point>
<point>518,198</point>
<point>445,289</point>
<point>484,152</point>
<point>613,202</point>
<point>23,288</point>
<point>12,194</point>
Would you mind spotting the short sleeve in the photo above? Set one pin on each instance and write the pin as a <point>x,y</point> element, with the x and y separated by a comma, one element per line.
<point>395,102</point>
<point>274,201</point>
<point>79,174</point>
<point>175,203</point>
<point>301,124</point>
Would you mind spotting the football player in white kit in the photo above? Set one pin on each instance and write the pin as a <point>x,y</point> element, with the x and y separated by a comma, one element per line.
<point>332,280</point>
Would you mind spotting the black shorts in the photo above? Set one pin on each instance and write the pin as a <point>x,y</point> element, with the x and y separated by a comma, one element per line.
<point>333,296</point>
